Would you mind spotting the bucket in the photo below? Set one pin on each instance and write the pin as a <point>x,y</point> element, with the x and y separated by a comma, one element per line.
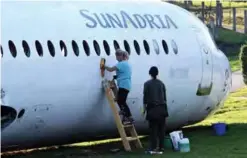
<point>219,128</point>
<point>168,142</point>
<point>184,145</point>
<point>175,137</point>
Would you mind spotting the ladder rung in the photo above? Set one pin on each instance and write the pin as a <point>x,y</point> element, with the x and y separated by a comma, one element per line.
<point>132,138</point>
<point>127,126</point>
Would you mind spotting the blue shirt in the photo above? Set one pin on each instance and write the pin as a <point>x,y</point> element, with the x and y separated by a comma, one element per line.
<point>124,75</point>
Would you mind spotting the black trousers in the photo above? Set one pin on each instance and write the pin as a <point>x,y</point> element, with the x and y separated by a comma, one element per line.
<point>157,133</point>
<point>121,100</point>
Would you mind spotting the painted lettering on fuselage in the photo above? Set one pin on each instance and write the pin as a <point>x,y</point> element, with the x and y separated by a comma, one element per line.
<point>125,20</point>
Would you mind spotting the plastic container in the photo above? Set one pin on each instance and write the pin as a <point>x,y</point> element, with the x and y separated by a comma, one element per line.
<point>219,128</point>
<point>175,137</point>
<point>184,145</point>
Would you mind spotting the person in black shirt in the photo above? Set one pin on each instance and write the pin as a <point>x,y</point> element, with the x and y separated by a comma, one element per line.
<point>155,107</point>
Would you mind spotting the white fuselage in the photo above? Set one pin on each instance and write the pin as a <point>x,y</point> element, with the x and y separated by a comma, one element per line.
<point>62,95</point>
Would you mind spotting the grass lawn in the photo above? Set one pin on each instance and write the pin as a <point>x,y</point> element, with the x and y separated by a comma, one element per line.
<point>204,144</point>
<point>235,63</point>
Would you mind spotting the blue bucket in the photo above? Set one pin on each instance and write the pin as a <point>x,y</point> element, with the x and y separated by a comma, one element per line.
<point>219,128</point>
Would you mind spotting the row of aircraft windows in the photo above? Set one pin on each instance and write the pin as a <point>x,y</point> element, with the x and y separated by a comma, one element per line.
<point>86,47</point>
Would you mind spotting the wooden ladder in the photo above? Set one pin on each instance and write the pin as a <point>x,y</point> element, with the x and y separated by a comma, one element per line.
<point>111,92</point>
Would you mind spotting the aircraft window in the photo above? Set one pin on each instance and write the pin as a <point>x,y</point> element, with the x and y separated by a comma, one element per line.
<point>21,113</point>
<point>137,47</point>
<point>75,48</point>
<point>126,46</point>
<point>156,46</point>
<point>146,46</point>
<point>116,45</point>
<point>174,47</point>
<point>107,48</point>
<point>63,48</point>
<point>26,48</point>
<point>12,48</point>
<point>39,48</point>
<point>96,47</point>
<point>86,47</point>
<point>165,46</point>
<point>51,48</point>
<point>1,50</point>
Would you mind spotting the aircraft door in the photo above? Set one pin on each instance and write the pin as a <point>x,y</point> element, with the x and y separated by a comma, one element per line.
<point>205,86</point>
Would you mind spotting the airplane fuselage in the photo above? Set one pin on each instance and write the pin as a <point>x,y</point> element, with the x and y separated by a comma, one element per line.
<point>51,81</point>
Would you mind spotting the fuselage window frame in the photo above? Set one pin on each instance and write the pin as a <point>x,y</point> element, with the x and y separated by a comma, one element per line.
<point>156,47</point>
<point>96,47</point>
<point>174,46</point>
<point>12,48</point>
<point>63,48</point>
<point>26,48</point>
<point>146,47</point>
<point>116,45</point>
<point>39,48</point>
<point>106,47</point>
<point>75,48</point>
<point>165,47</point>
<point>127,46</point>
<point>137,47</point>
<point>1,50</point>
<point>51,48</point>
<point>86,47</point>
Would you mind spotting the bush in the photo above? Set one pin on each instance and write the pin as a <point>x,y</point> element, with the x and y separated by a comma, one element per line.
<point>243,61</point>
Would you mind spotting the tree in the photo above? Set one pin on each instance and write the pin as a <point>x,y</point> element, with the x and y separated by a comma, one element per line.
<point>243,61</point>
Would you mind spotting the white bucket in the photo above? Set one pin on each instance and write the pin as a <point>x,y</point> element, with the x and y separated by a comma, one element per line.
<point>176,136</point>
<point>184,145</point>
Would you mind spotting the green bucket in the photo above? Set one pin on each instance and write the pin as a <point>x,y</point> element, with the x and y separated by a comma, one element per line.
<point>168,142</point>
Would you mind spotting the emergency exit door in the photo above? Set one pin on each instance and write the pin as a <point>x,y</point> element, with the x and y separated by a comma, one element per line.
<point>205,86</point>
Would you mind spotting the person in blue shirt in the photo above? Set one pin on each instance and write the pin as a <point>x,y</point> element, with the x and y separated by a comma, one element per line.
<point>123,73</point>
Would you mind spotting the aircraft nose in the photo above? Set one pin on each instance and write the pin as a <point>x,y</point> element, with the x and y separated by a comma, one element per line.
<point>227,70</point>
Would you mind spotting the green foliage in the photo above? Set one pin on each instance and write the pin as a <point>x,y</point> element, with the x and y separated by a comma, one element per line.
<point>243,60</point>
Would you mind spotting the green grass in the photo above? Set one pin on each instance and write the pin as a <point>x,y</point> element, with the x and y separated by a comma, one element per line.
<point>235,63</point>
<point>204,144</point>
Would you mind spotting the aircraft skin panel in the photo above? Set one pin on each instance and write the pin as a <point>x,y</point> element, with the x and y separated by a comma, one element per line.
<point>63,97</point>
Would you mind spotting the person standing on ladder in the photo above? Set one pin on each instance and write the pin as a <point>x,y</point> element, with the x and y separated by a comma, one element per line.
<point>123,76</point>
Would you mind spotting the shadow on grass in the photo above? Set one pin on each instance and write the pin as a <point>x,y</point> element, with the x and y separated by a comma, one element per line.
<point>199,135</point>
